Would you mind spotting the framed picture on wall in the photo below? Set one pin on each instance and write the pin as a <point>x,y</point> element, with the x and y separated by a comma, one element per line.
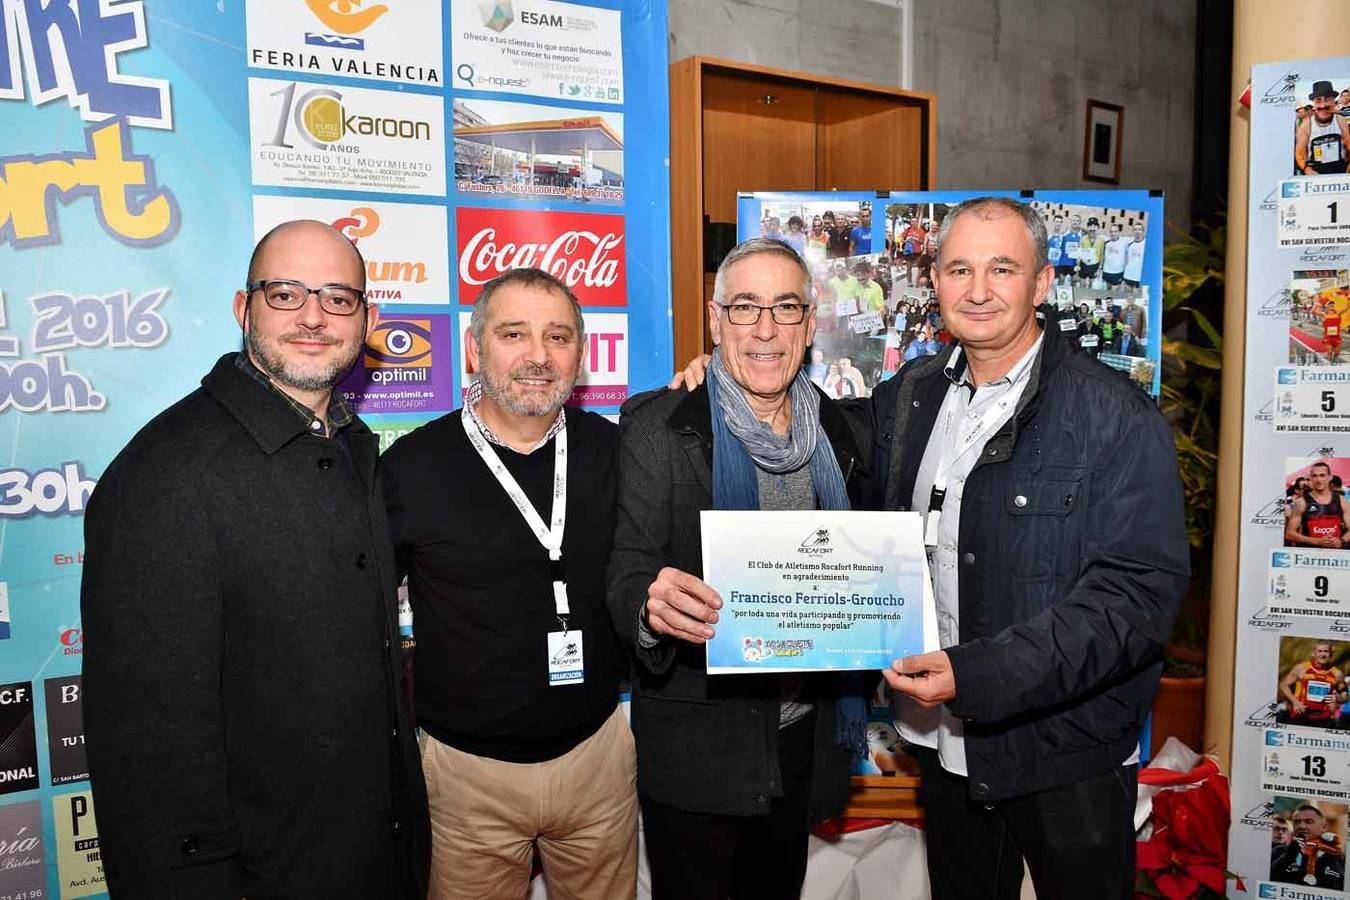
<point>1101,142</point>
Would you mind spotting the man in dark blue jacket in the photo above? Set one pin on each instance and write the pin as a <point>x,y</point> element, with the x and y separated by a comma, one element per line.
<point>1058,551</point>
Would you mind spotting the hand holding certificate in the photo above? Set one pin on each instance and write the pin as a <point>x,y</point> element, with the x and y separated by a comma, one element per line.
<point>816,590</point>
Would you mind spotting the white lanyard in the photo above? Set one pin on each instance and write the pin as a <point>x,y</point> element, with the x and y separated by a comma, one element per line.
<point>550,537</point>
<point>955,449</point>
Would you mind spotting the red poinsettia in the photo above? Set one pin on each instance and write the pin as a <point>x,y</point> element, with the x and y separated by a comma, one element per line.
<point>1187,854</point>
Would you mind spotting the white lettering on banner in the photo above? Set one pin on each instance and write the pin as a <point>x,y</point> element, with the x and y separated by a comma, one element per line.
<point>484,259</point>
<point>48,492</point>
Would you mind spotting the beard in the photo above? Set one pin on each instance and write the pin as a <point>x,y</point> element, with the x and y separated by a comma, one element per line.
<point>309,375</point>
<point>499,388</point>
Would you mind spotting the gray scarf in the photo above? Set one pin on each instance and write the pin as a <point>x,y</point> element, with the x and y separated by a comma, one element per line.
<point>769,451</point>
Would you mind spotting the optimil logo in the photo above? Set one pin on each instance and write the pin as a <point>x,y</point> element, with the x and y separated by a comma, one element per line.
<point>18,740</point>
<point>65,729</point>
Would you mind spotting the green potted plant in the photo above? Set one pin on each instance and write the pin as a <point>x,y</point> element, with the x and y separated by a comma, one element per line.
<point>1192,355</point>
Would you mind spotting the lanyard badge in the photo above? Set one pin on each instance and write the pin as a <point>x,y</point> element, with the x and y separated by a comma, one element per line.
<point>565,646</point>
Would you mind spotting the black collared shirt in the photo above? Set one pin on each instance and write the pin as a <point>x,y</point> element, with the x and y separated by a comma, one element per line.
<point>340,413</point>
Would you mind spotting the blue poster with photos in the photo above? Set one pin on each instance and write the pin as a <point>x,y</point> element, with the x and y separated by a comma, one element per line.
<point>149,143</point>
<point>872,262</point>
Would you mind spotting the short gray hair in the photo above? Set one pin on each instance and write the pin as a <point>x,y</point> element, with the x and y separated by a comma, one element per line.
<point>754,247</point>
<point>526,278</point>
<point>991,207</point>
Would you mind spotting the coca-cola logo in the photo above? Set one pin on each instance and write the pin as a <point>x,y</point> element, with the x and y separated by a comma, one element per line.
<point>583,250</point>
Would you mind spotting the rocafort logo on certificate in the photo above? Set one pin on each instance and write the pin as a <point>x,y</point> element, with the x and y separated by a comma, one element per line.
<point>397,40</point>
<point>817,543</point>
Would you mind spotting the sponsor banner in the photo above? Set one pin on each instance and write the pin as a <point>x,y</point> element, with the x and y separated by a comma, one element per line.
<point>65,729</point>
<point>1313,764</point>
<point>1311,399</point>
<point>604,372</point>
<point>308,135</point>
<point>586,251</point>
<point>527,150</point>
<point>1309,582</point>
<point>404,367</point>
<point>390,430</point>
<point>70,640</point>
<point>61,490</point>
<point>1314,212</point>
<point>23,871</point>
<point>18,740</point>
<point>405,245</point>
<point>399,41</point>
<point>559,50</point>
<point>79,860</point>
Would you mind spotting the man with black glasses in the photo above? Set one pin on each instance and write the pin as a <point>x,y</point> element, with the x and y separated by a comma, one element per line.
<point>244,706</point>
<point>731,771</point>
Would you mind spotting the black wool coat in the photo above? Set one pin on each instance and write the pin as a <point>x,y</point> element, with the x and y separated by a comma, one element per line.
<point>245,718</point>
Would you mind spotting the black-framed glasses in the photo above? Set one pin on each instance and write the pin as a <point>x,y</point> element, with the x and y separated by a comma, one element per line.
<point>284,294</point>
<point>749,313</point>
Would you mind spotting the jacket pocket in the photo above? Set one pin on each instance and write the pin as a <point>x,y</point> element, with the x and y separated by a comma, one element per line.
<point>1032,496</point>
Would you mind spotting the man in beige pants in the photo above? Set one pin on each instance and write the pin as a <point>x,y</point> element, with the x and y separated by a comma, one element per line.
<point>502,515</point>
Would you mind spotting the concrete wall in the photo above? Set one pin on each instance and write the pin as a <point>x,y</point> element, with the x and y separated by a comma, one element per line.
<point>1012,77</point>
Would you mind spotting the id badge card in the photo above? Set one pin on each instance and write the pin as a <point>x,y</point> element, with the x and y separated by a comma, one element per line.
<point>566,660</point>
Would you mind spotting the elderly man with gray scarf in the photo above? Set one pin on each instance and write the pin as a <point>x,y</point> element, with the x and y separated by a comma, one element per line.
<point>732,770</point>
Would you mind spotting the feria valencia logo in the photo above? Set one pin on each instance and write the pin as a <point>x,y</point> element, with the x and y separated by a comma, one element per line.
<point>346,16</point>
<point>583,250</point>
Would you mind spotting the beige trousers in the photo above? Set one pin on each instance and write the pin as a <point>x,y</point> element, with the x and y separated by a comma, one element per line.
<point>580,810</point>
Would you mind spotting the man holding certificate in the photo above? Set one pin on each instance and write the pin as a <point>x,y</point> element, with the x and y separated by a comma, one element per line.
<point>732,769</point>
<point>1057,543</point>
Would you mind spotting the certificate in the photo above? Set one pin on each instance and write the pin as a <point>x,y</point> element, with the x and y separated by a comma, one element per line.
<point>816,590</point>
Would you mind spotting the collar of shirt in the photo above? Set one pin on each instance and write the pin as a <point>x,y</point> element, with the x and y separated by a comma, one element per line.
<point>475,393</point>
<point>956,371</point>
<point>340,413</point>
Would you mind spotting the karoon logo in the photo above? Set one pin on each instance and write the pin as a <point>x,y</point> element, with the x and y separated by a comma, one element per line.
<point>323,121</point>
<point>345,18</point>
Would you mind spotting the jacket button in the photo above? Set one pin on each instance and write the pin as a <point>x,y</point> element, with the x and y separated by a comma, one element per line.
<point>1019,501</point>
<point>981,790</point>
<point>360,560</point>
<point>968,558</point>
<point>325,462</point>
<point>754,711</point>
<point>394,828</point>
<point>916,404</point>
<point>761,799</point>
<point>189,845</point>
<point>387,645</point>
<point>993,451</point>
<point>395,734</point>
